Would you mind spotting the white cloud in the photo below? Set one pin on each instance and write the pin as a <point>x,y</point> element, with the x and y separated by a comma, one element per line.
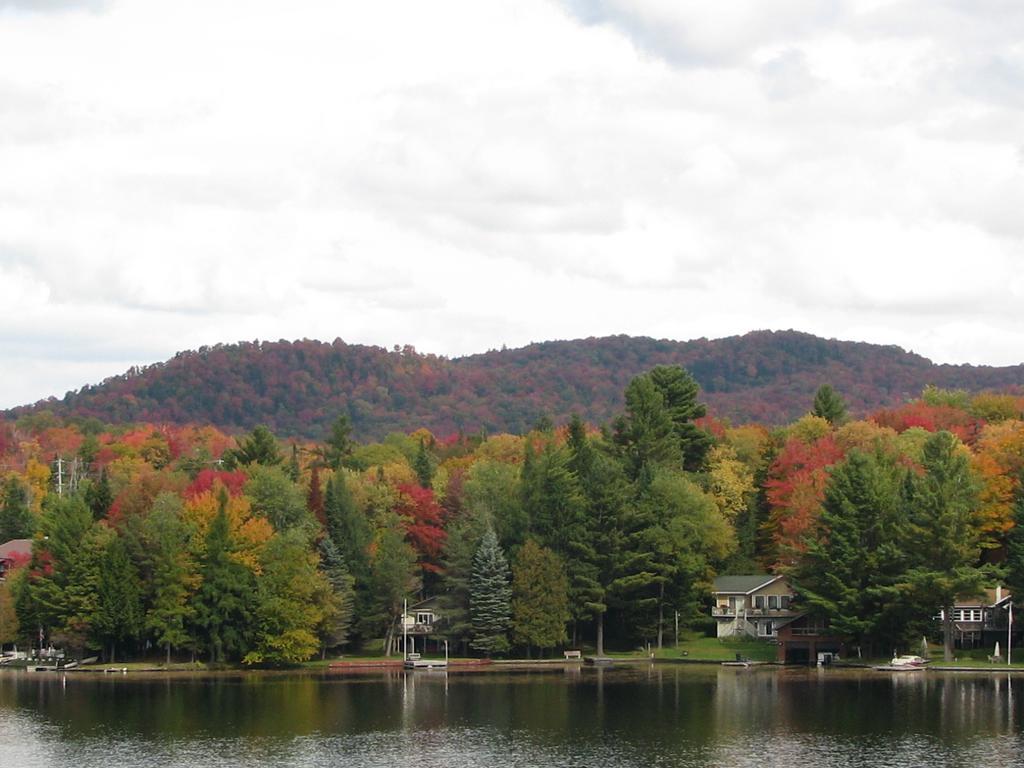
<point>471,174</point>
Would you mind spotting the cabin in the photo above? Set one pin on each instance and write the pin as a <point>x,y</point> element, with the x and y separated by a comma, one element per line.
<point>979,621</point>
<point>14,553</point>
<point>754,605</point>
<point>420,623</point>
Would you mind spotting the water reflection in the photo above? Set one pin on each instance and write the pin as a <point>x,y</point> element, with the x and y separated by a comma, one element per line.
<point>651,715</point>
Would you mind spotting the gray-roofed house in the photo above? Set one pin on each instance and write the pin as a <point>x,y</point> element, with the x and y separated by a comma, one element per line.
<point>14,552</point>
<point>753,605</point>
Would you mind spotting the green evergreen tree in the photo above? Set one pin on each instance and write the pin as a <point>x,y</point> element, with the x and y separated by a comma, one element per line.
<point>941,538</point>
<point>339,446</point>
<point>829,405</point>
<point>1015,548</point>
<point>294,467</point>
<point>540,598</point>
<point>422,467</point>
<point>853,564</point>
<point>100,496</point>
<point>490,597</point>
<point>596,543</point>
<point>171,572</point>
<point>551,498</point>
<point>223,603</point>
<point>347,527</point>
<point>118,617</point>
<point>645,433</point>
<point>44,603</point>
<point>16,519</point>
<point>339,603</point>
<point>258,447</point>
<point>679,392</point>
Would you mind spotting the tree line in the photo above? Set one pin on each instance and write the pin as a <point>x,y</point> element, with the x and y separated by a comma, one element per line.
<point>190,543</point>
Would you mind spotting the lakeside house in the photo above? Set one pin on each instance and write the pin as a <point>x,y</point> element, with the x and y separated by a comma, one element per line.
<point>979,621</point>
<point>754,605</point>
<point>762,606</point>
<point>13,553</point>
<point>420,623</point>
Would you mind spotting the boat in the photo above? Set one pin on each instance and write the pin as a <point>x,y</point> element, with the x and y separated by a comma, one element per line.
<point>903,664</point>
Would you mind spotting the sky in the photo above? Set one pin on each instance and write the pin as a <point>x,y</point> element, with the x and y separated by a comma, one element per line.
<point>460,176</point>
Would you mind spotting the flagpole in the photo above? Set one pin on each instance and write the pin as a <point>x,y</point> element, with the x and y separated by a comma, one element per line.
<point>1009,635</point>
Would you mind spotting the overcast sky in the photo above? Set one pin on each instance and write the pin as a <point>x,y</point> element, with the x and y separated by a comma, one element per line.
<point>462,175</point>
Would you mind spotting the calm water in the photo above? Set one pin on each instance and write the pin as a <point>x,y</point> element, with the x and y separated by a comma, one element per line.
<point>621,718</point>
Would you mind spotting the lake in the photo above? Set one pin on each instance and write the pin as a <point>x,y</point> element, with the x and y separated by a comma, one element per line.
<point>643,716</point>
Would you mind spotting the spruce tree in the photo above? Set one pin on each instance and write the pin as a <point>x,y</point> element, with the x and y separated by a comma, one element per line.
<point>340,603</point>
<point>490,597</point>
<point>100,496</point>
<point>644,433</point>
<point>422,467</point>
<point>16,521</point>
<point>829,405</point>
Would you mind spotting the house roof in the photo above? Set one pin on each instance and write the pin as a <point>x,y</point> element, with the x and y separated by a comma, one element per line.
<point>16,548</point>
<point>743,585</point>
<point>987,599</point>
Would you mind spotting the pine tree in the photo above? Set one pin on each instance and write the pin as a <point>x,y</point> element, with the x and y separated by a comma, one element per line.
<point>490,597</point>
<point>118,617</point>
<point>540,598</point>
<point>100,496</point>
<point>172,574</point>
<point>339,446</point>
<point>829,405</point>
<point>258,447</point>
<point>347,528</point>
<point>644,433</point>
<point>595,545</point>
<point>16,520</point>
<point>422,467</point>
<point>851,568</point>
<point>940,538</point>
<point>551,498</point>
<point>223,604</point>
<point>679,392</point>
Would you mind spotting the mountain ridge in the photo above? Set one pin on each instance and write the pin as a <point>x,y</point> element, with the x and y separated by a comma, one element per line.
<point>298,387</point>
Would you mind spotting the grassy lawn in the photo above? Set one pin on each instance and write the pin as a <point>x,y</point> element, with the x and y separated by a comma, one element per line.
<point>699,648</point>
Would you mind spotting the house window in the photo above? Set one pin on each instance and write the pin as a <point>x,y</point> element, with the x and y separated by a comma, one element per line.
<point>759,601</point>
<point>766,629</point>
<point>773,602</point>
<point>784,602</point>
<point>424,617</point>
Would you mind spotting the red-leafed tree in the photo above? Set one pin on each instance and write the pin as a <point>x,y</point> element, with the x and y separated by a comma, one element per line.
<point>424,524</point>
<point>795,488</point>
<point>933,418</point>
<point>233,481</point>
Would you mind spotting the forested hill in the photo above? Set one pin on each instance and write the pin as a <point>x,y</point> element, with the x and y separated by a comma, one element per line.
<point>298,388</point>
